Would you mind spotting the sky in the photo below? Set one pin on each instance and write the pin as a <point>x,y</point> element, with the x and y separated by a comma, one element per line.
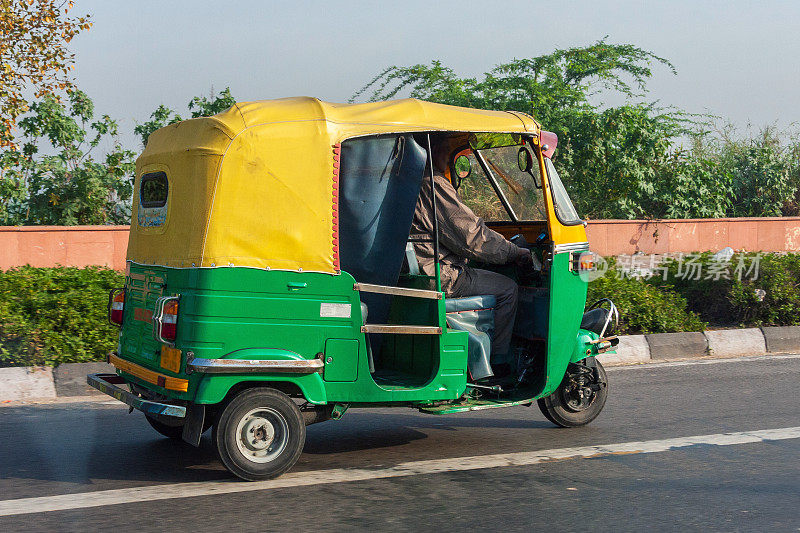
<point>736,59</point>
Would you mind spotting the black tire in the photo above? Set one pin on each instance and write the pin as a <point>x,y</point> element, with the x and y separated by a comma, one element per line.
<point>171,431</point>
<point>562,408</point>
<point>167,426</point>
<point>252,426</point>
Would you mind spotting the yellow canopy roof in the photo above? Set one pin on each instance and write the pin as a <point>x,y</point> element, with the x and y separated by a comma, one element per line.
<point>257,185</point>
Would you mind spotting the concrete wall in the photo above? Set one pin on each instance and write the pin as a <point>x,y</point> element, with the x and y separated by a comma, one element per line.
<point>80,246</point>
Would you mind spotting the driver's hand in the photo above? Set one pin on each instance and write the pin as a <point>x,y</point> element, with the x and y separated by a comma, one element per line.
<point>524,258</point>
<point>527,261</point>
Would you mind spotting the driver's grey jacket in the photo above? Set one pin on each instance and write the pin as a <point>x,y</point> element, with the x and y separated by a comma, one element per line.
<point>462,234</point>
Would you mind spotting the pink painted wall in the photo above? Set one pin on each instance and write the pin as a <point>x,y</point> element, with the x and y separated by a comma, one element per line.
<point>615,237</point>
<point>80,246</point>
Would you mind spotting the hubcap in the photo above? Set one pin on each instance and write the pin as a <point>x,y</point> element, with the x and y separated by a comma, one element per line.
<point>262,435</point>
<point>577,395</point>
<point>578,398</point>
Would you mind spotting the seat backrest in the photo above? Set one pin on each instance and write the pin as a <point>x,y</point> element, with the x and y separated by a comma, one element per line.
<point>475,315</point>
<point>379,185</point>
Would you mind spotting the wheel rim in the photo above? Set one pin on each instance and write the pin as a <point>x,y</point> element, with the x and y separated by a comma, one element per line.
<point>577,397</point>
<point>262,435</point>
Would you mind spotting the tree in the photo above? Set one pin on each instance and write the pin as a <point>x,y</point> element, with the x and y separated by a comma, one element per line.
<point>69,187</point>
<point>544,86</point>
<point>33,55</point>
<point>609,158</point>
<point>199,106</point>
<point>614,161</point>
<point>761,170</point>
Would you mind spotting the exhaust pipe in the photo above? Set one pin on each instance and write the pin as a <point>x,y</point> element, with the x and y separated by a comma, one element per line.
<point>315,415</point>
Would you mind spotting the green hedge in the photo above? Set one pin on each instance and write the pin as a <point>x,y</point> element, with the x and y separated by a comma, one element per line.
<point>748,290</point>
<point>58,315</point>
<point>50,316</point>
<point>644,308</point>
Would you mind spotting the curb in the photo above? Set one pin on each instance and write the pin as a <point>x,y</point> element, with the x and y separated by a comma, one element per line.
<point>69,379</point>
<point>723,343</point>
<point>781,338</point>
<point>26,383</point>
<point>632,349</point>
<point>637,349</point>
<point>44,382</point>
<point>674,345</point>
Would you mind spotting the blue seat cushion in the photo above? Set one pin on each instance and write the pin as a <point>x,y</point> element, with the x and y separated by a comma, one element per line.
<point>470,303</point>
<point>475,315</point>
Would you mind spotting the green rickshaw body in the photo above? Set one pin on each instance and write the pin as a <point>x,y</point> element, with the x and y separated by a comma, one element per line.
<point>251,314</point>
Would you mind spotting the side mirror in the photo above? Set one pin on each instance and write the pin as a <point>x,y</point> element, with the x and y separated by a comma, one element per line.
<point>524,159</point>
<point>462,168</point>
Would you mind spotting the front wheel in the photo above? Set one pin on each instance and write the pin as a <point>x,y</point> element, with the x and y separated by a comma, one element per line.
<point>260,434</point>
<point>580,397</point>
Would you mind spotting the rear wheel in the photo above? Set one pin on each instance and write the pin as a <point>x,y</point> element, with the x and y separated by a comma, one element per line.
<point>580,397</point>
<point>260,434</point>
<point>172,428</point>
<point>171,431</point>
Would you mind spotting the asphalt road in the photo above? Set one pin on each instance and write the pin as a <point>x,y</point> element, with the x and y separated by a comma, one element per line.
<point>77,448</point>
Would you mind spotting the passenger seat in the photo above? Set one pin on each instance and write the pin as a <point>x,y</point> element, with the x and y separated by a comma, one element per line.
<point>473,314</point>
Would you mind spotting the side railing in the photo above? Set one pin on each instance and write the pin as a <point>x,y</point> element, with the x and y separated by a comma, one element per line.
<point>401,329</point>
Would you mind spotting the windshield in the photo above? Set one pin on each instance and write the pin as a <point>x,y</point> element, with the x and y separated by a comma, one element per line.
<point>477,193</point>
<point>565,211</point>
<point>522,189</point>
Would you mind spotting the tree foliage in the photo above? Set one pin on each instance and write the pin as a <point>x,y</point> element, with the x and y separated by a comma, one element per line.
<point>61,183</point>
<point>199,106</point>
<point>33,55</point>
<point>610,158</point>
<point>545,86</point>
<point>626,161</point>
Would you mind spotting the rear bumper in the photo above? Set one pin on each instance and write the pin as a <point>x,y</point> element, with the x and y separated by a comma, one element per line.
<point>107,384</point>
<point>150,376</point>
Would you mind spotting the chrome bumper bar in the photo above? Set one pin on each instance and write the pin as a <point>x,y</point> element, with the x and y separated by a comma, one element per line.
<point>107,384</point>
<point>254,366</point>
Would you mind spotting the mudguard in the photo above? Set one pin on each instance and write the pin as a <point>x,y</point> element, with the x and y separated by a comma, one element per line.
<point>214,387</point>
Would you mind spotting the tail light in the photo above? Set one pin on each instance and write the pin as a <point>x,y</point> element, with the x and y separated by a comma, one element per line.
<point>165,320</point>
<point>169,320</point>
<point>116,306</point>
<point>585,262</point>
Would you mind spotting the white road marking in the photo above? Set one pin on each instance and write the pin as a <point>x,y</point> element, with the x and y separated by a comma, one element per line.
<point>150,493</point>
<point>692,362</point>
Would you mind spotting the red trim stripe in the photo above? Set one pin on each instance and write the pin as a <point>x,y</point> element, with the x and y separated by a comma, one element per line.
<point>337,151</point>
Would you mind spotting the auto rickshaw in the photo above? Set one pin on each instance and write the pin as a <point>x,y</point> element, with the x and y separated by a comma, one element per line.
<point>272,283</point>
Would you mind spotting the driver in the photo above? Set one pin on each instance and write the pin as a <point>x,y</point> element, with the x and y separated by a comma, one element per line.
<point>462,236</point>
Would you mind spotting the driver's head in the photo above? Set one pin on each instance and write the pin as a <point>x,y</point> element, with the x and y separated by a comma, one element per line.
<point>440,148</point>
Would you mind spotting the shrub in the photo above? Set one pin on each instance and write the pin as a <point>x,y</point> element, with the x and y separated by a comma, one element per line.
<point>778,277</point>
<point>734,299</point>
<point>57,315</point>
<point>644,308</point>
<point>707,296</point>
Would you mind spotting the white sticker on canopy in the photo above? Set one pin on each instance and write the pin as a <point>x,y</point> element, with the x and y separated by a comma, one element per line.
<point>329,310</point>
